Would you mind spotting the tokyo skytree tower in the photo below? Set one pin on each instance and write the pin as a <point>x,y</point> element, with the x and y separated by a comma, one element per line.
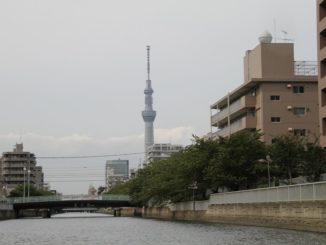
<point>148,114</point>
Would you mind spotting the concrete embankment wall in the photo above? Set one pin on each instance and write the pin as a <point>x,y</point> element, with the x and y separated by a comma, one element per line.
<point>120,212</point>
<point>6,212</point>
<point>310,216</point>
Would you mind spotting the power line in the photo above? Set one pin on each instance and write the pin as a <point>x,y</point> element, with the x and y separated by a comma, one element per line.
<point>90,156</point>
<point>64,181</point>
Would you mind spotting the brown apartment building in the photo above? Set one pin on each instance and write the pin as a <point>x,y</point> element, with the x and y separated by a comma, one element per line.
<point>18,167</point>
<point>278,96</point>
<point>321,33</point>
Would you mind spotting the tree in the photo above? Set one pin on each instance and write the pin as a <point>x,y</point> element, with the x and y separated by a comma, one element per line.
<point>287,153</point>
<point>119,189</point>
<point>314,162</point>
<point>19,191</point>
<point>236,165</point>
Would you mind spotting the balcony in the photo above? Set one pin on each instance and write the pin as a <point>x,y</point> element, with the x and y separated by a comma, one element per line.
<point>19,179</point>
<point>14,165</point>
<point>247,122</point>
<point>236,108</point>
<point>13,172</point>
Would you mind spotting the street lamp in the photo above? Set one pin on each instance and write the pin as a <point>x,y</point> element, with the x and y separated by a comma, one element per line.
<point>28,182</point>
<point>269,159</point>
<point>193,186</point>
<point>24,191</point>
<point>4,189</point>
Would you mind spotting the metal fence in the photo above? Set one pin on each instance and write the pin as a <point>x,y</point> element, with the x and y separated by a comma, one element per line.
<point>305,68</point>
<point>291,193</point>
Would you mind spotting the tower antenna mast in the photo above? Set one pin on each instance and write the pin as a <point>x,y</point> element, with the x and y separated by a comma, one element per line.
<point>148,62</point>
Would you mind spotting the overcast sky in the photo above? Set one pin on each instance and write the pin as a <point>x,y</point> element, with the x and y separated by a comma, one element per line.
<point>72,72</point>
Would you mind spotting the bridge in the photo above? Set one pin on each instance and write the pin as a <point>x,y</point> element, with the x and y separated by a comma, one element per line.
<point>50,204</point>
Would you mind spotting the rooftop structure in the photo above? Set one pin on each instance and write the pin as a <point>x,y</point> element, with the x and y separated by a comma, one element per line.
<point>278,95</point>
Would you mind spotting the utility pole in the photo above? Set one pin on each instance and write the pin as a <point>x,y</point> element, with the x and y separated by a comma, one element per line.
<point>24,191</point>
<point>193,187</point>
<point>28,182</point>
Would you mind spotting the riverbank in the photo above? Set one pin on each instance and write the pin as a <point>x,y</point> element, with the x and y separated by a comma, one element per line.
<point>6,212</point>
<point>305,216</point>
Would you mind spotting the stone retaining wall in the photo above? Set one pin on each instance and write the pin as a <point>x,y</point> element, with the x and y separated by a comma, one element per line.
<point>7,214</point>
<point>308,216</point>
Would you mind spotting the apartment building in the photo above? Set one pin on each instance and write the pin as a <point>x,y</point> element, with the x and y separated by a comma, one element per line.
<point>17,167</point>
<point>39,177</point>
<point>278,96</point>
<point>116,171</point>
<point>321,34</point>
<point>158,152</point>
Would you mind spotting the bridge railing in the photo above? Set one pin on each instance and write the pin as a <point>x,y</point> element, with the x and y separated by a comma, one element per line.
<point>115,197</point>
<point>13,200</point>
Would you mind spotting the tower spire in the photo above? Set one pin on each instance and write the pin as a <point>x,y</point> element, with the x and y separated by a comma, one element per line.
<point>148,113</point>
<point>148,62</point>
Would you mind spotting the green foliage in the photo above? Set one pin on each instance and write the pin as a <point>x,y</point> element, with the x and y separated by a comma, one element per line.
<point>314,162</point>
<point>120,189</point>
<point>237,162</point>
<point>234,163</point>
<point>287,153</point>
<point>19,191</point>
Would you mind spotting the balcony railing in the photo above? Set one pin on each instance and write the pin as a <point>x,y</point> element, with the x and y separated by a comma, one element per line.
<point>305,68</point>
<point>8,172</point>
<point>242,103</point>
<point>246,122</point>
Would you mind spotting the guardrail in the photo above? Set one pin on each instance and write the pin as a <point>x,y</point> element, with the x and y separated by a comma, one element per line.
<point>115,197</point>
<point>292,193</point>
<point>53,198</point>
<point>305,68</point>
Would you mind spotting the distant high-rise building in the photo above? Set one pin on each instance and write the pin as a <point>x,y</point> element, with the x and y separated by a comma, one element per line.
<point>92,190</point>
<point>148,114</point>
<point>116,171</point>
<point>19,167</point>
<point>39,177</point>
<point>158,152</point>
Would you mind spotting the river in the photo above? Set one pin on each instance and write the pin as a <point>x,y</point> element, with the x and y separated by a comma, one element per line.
<point>91,229</point>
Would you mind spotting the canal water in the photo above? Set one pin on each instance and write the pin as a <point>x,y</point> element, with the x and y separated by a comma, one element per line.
<point>91,229</point>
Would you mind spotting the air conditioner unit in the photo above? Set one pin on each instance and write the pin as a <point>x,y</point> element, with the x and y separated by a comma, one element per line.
<point>290,129</point>
<point>289,85</point>
<point>290,107</point>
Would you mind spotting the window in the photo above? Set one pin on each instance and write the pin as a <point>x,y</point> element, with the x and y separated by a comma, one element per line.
<point>251,112</point>
<point>299,111</point>
<point>275,97</point>
<point>299,132</point>
<point>298,89</point>
<point>275,119</point>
